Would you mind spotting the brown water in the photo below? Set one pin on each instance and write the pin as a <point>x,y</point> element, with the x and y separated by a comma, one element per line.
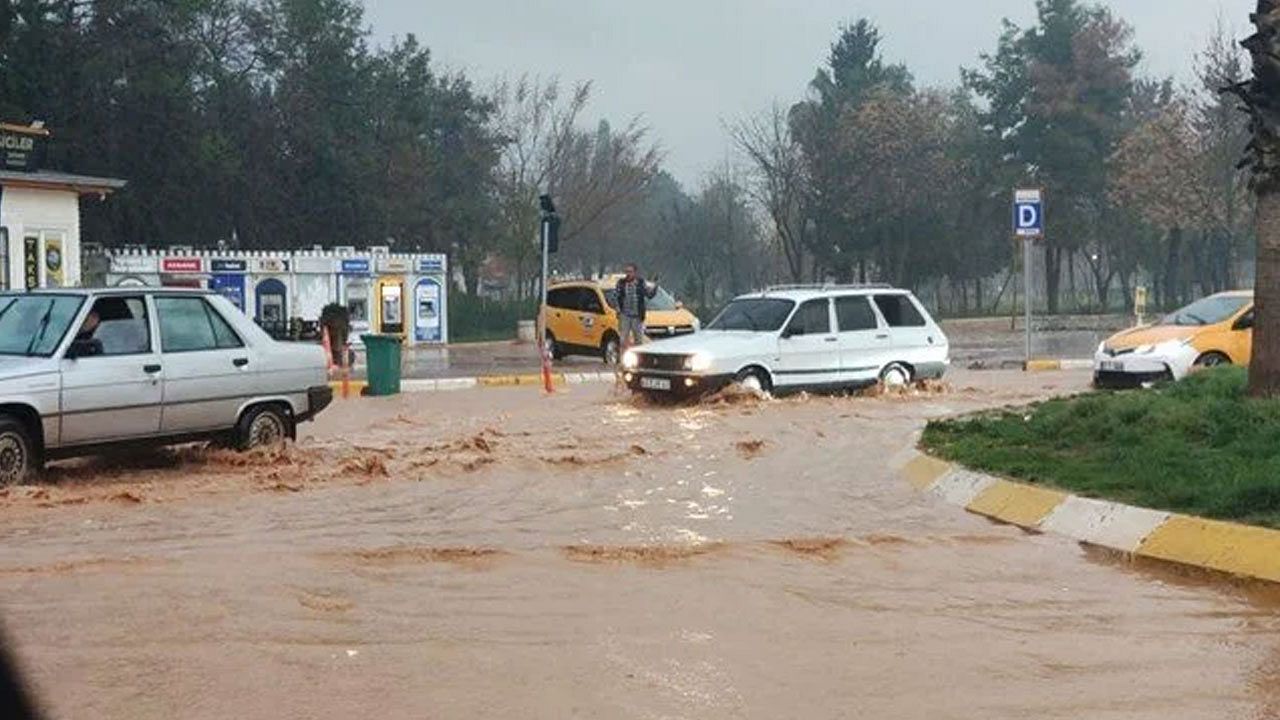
<point>499,554</point>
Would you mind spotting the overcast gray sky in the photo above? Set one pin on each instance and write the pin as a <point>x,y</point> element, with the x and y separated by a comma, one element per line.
<point>685,66</point>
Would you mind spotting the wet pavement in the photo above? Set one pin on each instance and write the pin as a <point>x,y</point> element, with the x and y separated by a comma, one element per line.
<point>989,342</point>
<point>497,554</point>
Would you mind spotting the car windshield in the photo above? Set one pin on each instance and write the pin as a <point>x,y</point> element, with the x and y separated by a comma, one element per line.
<point>34,325</point>
<point>754,314</point>
<point>1208,311</point>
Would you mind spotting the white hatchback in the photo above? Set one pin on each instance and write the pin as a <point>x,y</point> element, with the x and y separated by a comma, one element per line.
<point>798,337</point>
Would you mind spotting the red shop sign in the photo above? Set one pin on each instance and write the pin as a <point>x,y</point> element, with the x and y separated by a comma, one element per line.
<point>181,265</point>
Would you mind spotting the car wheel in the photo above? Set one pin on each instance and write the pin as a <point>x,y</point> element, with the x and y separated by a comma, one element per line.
<point>552,348</point>
<point>753,379</point>
<point>611,351</point>
<point>264,426</point>
<point>17,453</point>
<point>1212,359</point>
<point>895,375</point>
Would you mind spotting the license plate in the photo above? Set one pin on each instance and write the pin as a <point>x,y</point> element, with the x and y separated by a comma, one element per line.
<point>653,383</point>
<point>1112,366</point>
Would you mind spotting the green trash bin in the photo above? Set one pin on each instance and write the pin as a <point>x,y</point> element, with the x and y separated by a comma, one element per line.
<point>383,357</point>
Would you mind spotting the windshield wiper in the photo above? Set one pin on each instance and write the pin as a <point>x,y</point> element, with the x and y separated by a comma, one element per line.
<point>1198,320</point>
<point>40,331</point>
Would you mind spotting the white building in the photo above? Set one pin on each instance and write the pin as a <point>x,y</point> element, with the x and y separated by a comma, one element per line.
<point>40,213</point>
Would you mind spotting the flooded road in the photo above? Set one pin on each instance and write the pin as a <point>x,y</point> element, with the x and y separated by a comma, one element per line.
<point>496,554</point>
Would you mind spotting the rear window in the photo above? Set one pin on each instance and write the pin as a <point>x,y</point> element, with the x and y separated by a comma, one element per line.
<point>854,313</point>
<point>899,311</point>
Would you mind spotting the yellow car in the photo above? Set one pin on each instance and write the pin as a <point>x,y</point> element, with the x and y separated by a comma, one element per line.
<point>581,318</point>
<point>1216,330</point>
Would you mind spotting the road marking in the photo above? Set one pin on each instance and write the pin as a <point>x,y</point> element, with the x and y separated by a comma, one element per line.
<point>1021,505</point>
<point>923,471</point>
<point>1227,547</point>
<point>1106,524</point>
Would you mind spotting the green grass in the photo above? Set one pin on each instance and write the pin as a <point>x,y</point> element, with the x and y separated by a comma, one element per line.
<point>1199,446</point>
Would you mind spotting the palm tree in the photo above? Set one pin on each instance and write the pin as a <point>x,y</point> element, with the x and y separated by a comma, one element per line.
<point>1261,97</point>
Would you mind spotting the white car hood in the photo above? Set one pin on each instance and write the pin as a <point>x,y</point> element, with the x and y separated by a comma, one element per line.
<point>716,342</point>
<point>13,367</point>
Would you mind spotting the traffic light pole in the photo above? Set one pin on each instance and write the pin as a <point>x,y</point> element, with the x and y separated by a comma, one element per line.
<point>544,235</point>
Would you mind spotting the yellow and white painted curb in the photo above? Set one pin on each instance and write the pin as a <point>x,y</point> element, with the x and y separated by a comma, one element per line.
<point>1242,550</point>
<point>1050,365</point>
<point>417,385</point>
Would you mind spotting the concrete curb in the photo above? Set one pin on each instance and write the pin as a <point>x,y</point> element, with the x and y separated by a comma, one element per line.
<point>1057,364</point>
<point>418,385</point>
<point>1241,550</point>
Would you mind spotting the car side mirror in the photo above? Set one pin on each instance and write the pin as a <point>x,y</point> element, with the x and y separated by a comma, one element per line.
<point>679,304</point>
<point>1244,323</point>
<point>791,332</point>
<point>80,348</point>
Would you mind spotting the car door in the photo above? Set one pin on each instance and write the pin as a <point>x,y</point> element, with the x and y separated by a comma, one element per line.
<point>1239,343</point>
<point>208,369</point>
<point>562,318</point>
<point>808,349</point>
<point>862,339</point>
<point>591,316</point>
<point>112,374</point>
<point>908,331</point>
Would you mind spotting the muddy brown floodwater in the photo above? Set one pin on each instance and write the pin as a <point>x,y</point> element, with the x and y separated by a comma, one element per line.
<point>496,554</point>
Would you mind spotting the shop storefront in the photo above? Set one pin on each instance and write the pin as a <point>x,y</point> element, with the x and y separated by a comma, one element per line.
<point>355,285</point>
<point>430,317</point>
<point>40,213</point>
<point>227,277</point>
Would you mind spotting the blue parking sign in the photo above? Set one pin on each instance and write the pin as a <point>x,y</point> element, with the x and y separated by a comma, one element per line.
<point>1028,213</point>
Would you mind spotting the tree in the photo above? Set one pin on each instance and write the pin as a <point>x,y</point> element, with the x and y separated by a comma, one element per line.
<point>780,182</point>
<point>593,176</point>
<point>1056,94</point>
<point>853,73</point>
<point>1261,97</point>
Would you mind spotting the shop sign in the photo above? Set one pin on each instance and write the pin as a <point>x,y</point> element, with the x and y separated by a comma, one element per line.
<point>271,265</point>
<point>355,266</point>
<point>20,149</point>
<point>31,261</point>
<point>313,265</point>
<point>393,265</point>
<point>181,265</point>
<point>427,266</point>
<point>133,264</point>
<point>53,260</point>
<point>228,266</point>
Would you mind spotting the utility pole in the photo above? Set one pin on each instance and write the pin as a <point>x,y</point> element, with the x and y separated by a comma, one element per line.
<point>549,238</point>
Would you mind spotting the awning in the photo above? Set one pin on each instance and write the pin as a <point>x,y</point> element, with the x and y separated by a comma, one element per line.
<point>50,180</point>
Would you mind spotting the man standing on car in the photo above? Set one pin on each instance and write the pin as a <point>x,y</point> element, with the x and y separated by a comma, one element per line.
<point>633,292</point>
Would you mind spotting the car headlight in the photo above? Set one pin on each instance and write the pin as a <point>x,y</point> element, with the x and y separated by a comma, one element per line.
<point>698,362</point>
<point>697,324</point>
<point>1102,346</point>
<point>630,360</point>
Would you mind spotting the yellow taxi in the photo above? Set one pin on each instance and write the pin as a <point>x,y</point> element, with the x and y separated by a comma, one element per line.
<point>581,318</point>
<point>1216,330</point>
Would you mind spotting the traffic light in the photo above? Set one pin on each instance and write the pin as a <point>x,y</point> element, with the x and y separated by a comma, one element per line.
<point>550,223</point>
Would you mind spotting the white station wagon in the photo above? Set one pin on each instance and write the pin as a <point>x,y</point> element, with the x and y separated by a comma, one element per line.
<point>85,370</point>
<point>798,337</point>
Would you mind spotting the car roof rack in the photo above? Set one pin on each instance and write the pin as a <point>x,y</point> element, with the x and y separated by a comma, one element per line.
<point>830,286</point>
